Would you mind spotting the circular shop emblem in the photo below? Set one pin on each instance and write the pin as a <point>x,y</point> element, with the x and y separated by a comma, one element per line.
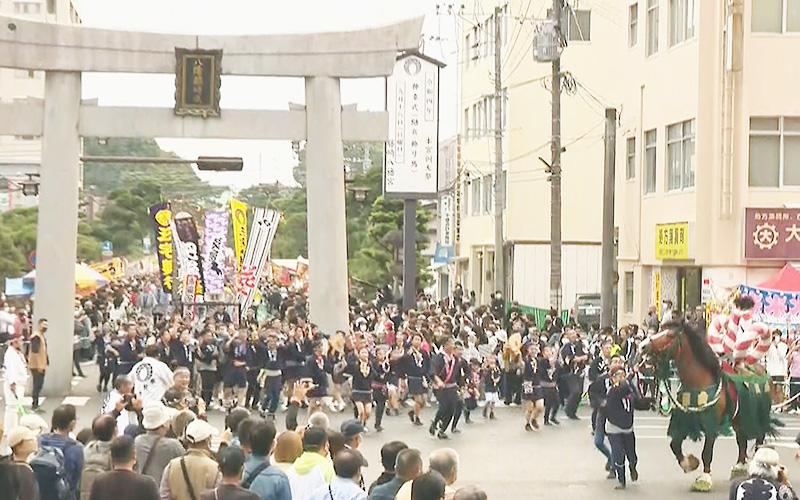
<point>412,66</point>
<point>765,236</point>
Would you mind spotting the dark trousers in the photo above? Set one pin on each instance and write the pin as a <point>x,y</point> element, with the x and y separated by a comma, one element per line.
<point>448,401</point>
<point>207,380</point>
<point>574,386</point>
<point>38,382</point>
<point>513,388</point>
<point>600,436</point>
<point>253,389</point>
<point>379,397</point>
<point>76,363</point>
<point>272,395</point>
<point>457,412</point>
<point>106,377</point>
<point>794,389</point>
<point>623,445</point>
<point>550,403</point>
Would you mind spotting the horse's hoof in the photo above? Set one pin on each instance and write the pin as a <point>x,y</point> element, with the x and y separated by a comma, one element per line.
<point>689,463</point>
<point>738,470</point>
<point>703,483</point>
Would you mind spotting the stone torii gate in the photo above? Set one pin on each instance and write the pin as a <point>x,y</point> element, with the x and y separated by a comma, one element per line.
<point>63,52</point>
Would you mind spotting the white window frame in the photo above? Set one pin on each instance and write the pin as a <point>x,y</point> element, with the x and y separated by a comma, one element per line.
<point>629,299</point>
<point>468,49</point>
<point>476,195</point>
<point>487,195</point>
<point>651,28</point>
<point>781,133</point>
<point>682,21</point>
<point>647,171</point>
<point>685,163</point>
<point>785,5</point>
<point>466,123</point>
<point>630,158</point>
<point>465,198</point>
<point>27,8</point>
<point>633,24</point>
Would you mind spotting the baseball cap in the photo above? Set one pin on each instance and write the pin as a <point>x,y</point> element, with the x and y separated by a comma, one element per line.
<point>20,434</point>
<point>352,428</point>
<point>199,431</point>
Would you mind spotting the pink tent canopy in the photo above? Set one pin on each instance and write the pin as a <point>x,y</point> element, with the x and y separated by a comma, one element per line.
<point>785,280</point>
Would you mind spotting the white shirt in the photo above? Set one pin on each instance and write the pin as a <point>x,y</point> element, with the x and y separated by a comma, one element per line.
<point>777,366</point>
<point>151,379</point>
<point>15,367</point>
<point>125,417</point>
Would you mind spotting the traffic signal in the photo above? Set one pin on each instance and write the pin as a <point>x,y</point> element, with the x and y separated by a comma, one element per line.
<point>220,163</point>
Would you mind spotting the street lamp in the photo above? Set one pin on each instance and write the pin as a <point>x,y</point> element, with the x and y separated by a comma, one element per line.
<point>30,186</point>
<point>359,193</point>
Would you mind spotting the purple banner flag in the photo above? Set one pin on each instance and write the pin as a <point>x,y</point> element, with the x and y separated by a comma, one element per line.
<point>215,238</point>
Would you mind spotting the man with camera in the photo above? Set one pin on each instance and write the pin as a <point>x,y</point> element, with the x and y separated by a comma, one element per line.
<point>122,404</point>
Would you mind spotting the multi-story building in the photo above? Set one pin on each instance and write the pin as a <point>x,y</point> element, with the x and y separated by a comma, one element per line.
<point>594,32</point>
<point>21,155</point>
<point>706,174</point>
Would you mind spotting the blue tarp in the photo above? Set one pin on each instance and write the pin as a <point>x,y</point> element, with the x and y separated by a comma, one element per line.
<point>17,287</point>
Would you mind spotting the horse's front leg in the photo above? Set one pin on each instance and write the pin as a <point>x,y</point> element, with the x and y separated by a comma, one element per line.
<point>740,468</point>
<point>687,463</point>
<point>708,453</point>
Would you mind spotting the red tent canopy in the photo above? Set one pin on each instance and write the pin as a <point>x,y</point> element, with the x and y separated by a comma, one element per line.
<point>785,280</point>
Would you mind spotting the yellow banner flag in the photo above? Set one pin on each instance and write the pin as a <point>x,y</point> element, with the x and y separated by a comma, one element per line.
<point>239,218</point>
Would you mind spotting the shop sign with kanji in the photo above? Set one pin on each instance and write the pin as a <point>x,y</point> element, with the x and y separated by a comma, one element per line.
<point>412,97</point>
<point>772,233</point>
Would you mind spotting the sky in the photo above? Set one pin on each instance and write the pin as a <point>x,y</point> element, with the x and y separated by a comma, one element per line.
<point>264,161</point>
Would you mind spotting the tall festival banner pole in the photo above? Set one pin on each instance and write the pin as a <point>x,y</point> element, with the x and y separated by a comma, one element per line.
<point>165,246</point>
<point>239,221</point>
<point>265,225</point>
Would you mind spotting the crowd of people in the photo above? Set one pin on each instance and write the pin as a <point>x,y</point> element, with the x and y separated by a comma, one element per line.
<point>163,369</point>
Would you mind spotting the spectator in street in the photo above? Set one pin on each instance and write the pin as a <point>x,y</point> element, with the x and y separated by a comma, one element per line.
<point>244,432</point>
<point>428,486</point>
<point>389,453</point>
<point>470,493</point>
<point>123,483</point>
<point>288,448</point>
<point>97,454</point>
<point>63,423</point>
<point>443,461</point>
<point>651,320</point>
<point>37,362</point>
<point>345,484</point>
<point>15,370</point>
<point>186,477</point>
<point>260,477</point>
<point>153,448</point>
<point>231,463</point>
<point>408,468</point>
<point>22,442</point>
<point>232,421</point>
<point>352,430</point>
<point>767,478</point>
<point>319,419</point>
<point>122,404</point>
<point>313,469</point>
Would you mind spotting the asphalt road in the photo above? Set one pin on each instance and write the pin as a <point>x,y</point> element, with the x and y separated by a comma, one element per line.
<point>508,462</point>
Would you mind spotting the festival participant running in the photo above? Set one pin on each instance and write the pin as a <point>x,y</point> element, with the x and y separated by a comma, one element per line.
<point>472,388</point>
<point>531,388</point>
<point>382,369</point>
<point>462,376</point>
<point>272,378</point>
<point>236,374</point>
<point>151,377</point>
<point>363,376</point>
<point>546,366</point>
<point>318,366</point>
<point>443,370</point>
<point>491,385</point>
<point>416,366</point>
<point>619,425</point>
<point>598,392</point>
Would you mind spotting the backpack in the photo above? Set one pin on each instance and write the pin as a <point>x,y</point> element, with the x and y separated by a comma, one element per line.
<point>49,469</point>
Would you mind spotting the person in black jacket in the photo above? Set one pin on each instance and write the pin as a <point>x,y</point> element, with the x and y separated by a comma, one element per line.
<point>546,367</point>
<point>598,367</point>
<point>415,366</point>
<point>598,391</point>
<point>317,368</point>
<point>531,388</point>
<point>272,377</point>
<point>364,375</point>
<point>619,426</point>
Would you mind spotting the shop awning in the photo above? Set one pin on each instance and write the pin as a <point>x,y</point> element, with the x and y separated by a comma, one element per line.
<point>785,280</point>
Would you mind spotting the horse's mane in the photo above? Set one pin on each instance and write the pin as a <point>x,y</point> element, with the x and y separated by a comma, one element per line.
<point>701,351</point>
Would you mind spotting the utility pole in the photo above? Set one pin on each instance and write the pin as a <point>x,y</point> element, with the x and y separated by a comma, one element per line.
<point>499,202</point>
<point>607,277</point>
<point>555,174</point>
<point>409,254</point>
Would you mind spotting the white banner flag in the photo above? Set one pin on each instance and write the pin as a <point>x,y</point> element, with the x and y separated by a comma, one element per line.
<point>265,225</point>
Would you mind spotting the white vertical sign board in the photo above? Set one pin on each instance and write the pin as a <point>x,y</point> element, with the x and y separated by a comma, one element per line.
<point>446,214</point>
<point>412,100</point>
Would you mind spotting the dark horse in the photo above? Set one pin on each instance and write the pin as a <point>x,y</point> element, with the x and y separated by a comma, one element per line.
<point>710,400</point>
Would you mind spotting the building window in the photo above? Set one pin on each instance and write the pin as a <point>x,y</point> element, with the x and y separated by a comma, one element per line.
<point>680,155</point>
<point>467,49</point>
<point>464,198</point>
<point>681,21</point>
<point>630,159</point>
<point>27,7</point>
<point>466,123</point>
<point>476,196</point>
<point>650,161</point>
<point>504,188</point>
<point>488,197</point>
<point>652,27</point>
<point>628,292</point>
<point>774,152</point>
<point>775,16</point>
<point>579,28</point>
<point>633,24</point>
